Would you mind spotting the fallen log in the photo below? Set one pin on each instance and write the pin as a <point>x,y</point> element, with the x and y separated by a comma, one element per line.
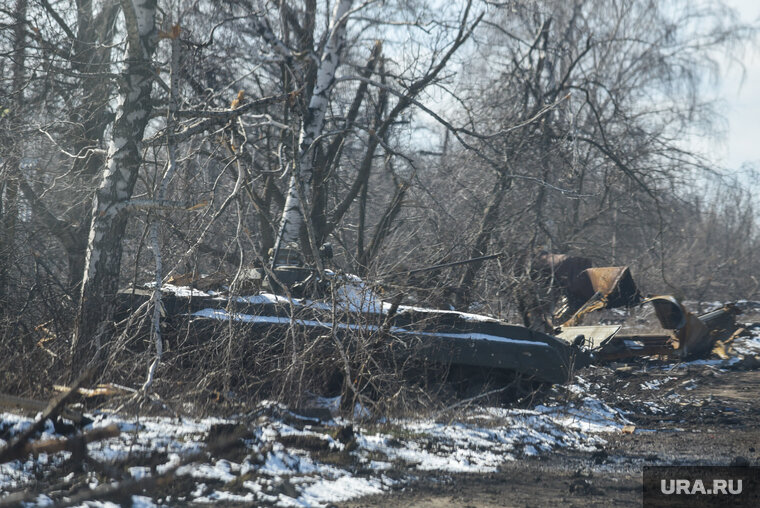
<point>102,390</point>
<point>36,406</point>
<point>53,409</point>
<point>71,444</point>
<point>134,485</point>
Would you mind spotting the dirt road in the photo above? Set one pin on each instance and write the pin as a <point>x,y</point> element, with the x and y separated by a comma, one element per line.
<point>698,413</point>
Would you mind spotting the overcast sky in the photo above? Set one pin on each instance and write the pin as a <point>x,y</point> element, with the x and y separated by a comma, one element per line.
<point>741,96</point>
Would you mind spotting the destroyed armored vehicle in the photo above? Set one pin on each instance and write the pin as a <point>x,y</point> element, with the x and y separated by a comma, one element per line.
<point>436,336</point>
<point>287,298</point>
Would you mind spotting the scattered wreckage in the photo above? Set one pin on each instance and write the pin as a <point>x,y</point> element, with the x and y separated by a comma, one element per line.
<point>318,303</point>
<point>583,289</point>
<point>684,335</point>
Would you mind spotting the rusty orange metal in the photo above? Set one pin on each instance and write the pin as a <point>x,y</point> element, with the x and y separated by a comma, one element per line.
<point>691,336</point>
<point>614,283</point>
<point>592,289</point>
<point>685,335</point>
<point>669,311</point>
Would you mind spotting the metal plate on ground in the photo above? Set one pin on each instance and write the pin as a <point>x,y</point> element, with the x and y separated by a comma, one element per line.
<point>594,336</point>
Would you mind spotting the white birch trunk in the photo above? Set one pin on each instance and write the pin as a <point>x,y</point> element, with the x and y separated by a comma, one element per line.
<point>103,257</point>
<point>311,128</point>
<point>161,198</point>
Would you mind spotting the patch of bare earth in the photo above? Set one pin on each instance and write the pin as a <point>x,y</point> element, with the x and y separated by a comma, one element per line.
<point>696,413</point>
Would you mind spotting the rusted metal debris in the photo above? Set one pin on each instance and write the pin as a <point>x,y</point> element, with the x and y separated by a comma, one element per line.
<point>684,335</point>
<point>584,288</point>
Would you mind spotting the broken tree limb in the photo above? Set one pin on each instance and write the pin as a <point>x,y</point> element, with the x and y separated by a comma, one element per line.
<point>101,390</point>
<point>17,498</point>
<point>130,486</point>
<point>53,408</point>
<point>35,406</point>
<point>59,445</point>
<point>213,119</point>
<point>119,489</point>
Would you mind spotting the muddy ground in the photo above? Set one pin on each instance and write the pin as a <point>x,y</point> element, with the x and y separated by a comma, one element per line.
<point>702,413</point>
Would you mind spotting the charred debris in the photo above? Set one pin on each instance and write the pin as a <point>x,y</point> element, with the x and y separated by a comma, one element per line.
<point>315,301</point>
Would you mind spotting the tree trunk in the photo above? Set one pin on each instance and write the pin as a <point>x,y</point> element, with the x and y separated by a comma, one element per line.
<point>488,222</point>
<point>8,213</point>
<point>92,58</point>
<point>313,122</point>
<point>9,209</point>
<point>109,217</point>
<point>87,120</point>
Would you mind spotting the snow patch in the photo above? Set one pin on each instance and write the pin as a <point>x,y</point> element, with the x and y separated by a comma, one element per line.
<point>480,440</point>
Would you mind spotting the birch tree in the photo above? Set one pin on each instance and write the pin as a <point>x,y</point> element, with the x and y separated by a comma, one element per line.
<point>292,222</point>
<point>69,87</point>
<point>109,218</point>
<point>368,113</point>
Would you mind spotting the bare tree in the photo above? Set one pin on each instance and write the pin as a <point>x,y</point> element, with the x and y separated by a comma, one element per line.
<point>311,128</point>
<point>10,158</point>
<point>109,219</point>
<point>588,106</point>
<point>406,135</point>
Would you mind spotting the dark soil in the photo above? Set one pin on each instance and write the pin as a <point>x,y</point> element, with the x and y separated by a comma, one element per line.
<point>684,414</point>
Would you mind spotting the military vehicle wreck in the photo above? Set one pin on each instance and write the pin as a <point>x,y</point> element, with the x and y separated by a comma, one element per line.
<point>436,336</point>
<point>684,335</point>
<point>583,289</point>
<point>296,297</point>
<point>577,287</point>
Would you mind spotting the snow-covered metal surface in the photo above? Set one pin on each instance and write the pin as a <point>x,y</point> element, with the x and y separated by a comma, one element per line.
<point>351,296</point>
<point>444,337</point>
<point>223,315</point>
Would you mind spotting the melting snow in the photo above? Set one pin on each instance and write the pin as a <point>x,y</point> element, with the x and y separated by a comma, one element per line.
<point>481,440</point>
<point>223,315</point>
<point>179,290</point>
<point>748,345</point>
<point>654,384</point>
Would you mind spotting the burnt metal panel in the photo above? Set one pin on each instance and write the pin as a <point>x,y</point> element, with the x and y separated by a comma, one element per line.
<point>447,338</point>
